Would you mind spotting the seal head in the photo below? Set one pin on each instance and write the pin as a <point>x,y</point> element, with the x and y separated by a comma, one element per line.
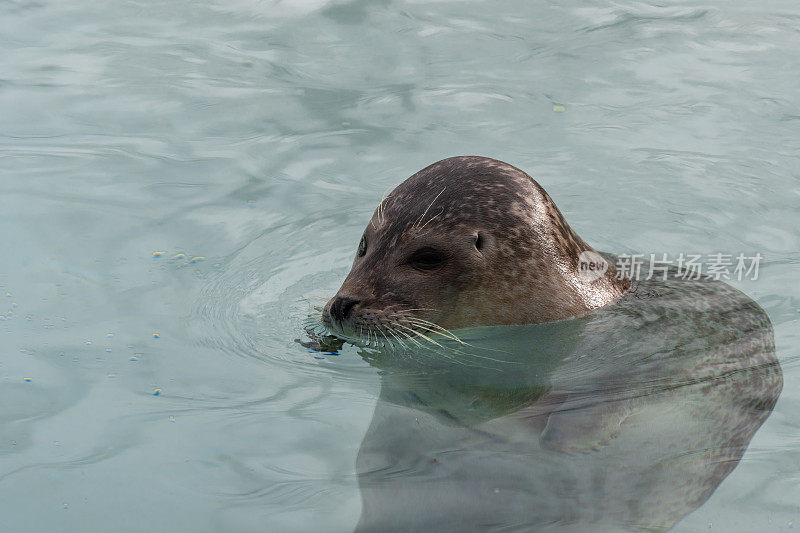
<point>468,241</point>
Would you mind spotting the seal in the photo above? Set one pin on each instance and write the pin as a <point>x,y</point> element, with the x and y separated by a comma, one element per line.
<point>626,417</point>
<point>468,241</point>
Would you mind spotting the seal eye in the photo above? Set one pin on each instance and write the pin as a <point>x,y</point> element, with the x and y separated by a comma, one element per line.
<point>362,247</point>
<point>426,259</point>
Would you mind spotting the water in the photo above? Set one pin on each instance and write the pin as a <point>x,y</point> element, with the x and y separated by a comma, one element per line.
<point>180,180</point>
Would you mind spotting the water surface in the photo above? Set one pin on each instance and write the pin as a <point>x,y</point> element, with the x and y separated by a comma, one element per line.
<point>179,180</point>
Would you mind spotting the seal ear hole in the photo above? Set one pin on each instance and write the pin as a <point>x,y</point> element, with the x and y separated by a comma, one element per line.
<point>479,242</point>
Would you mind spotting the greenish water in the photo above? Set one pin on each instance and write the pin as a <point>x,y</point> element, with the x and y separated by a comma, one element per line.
<point>178,181</point>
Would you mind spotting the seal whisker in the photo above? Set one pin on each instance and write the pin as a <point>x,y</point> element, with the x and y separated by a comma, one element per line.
<point>420,334</point>
<point>399,340</point>
<point>429,326</point>
<point>430,329</point>
<point>378,342</point>
<point>384,196</point>
<point>431,219</point>
<point>369,336</point>
<point>391,332</point>
<point>409,337</point>
<point>412,339</point>
<point>437,348</point>
<point>431,205</point>
<point>468,354</point>
<point>439,329</point>
<point>361,332</point>
<point>380,336</point>
<point>374,334</point>
<point>406,349</point>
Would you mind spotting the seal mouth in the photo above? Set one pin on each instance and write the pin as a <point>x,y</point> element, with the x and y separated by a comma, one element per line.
<point>383,327</point>
<point>335,327</point>
<point>349,330</point>
<point>345,329</point>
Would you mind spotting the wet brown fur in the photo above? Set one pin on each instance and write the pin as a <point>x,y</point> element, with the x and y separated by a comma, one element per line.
<point>526,271</point>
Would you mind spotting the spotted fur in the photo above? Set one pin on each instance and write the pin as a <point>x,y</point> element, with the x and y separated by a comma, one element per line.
<point>527,272</point>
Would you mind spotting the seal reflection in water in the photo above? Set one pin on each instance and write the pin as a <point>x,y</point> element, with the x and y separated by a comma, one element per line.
<point>623,405</point>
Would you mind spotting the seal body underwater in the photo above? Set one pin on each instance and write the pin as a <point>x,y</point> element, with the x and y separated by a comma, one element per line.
<point>622,405</point>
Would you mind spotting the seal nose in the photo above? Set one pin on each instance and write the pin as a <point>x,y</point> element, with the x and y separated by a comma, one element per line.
<point>342,306</point>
